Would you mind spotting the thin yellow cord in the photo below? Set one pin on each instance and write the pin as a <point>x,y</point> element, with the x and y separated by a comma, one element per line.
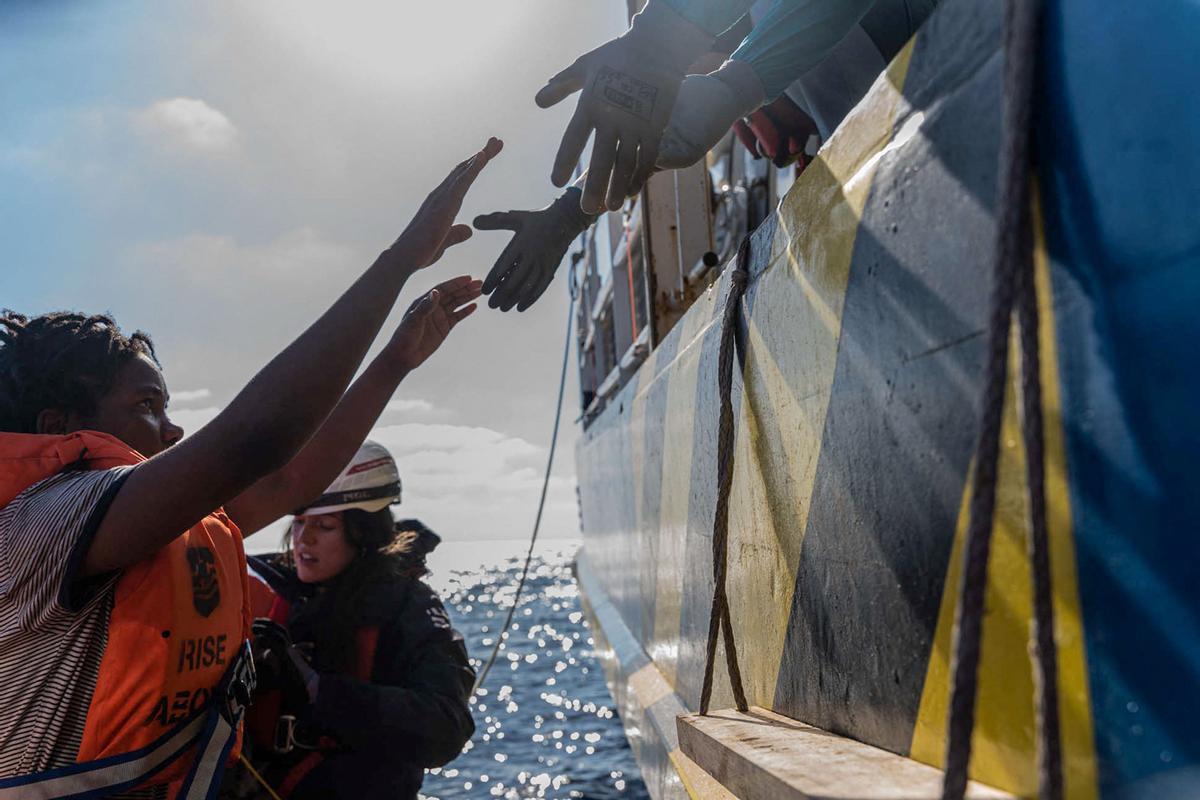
<point>259,778</point>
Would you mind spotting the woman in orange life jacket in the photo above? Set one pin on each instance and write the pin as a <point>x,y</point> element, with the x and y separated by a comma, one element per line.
<point>119,636</point>
<point>363,683</point>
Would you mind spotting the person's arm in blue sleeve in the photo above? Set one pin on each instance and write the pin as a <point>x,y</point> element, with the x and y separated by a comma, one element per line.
<point>714,16</point>
<point>793,37</point>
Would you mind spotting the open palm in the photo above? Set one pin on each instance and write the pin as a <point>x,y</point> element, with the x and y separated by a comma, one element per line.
<point>432,229</point>
<point>431,317</point>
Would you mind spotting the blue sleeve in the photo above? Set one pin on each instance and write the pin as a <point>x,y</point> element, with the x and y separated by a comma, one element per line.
<point>795,36</point>
<point>714,16</point>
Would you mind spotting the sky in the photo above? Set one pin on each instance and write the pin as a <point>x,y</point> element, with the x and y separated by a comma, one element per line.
<point>217,173</point>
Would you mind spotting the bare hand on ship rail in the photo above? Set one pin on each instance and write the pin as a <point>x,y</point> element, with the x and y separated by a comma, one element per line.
<point>430,318</point>
<point>629,86</point>
<point>527,265</point>
<point>432,229</point>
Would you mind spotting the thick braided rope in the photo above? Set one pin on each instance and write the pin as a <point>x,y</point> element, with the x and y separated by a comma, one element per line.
<point>719,617</point>
<point>1012,241</point>
<point>1050,775</point>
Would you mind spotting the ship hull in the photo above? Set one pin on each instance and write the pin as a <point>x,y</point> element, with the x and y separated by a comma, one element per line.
<point>863,335</point>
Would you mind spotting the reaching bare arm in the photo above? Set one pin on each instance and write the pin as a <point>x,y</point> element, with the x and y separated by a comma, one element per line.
<point>271,419</point>
<point>426,325</point>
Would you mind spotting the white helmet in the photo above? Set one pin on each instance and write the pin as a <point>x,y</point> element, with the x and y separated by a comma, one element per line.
<point>370,482</point>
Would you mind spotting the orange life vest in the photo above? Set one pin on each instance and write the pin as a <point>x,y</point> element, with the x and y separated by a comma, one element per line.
<point>178,618</point>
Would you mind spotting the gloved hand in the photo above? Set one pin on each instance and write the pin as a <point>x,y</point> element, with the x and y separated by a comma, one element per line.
<point>779,131</point>
<point>629,88</point>
<point>705,109</point>
<point>527,265</point>
<point>280,665</point>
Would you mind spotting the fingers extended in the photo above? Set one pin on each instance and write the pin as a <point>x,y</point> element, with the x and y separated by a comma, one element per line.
<point>506,295</point>
<point>503,265</point>
<point>571,146</point>
<point>537,291</point>
<point>604,153</point>
<point>461,295</point>
<point>647,160</point>
<point>464,173</point>
<point>422,305</point>
<point>623,172</point>
<point>498,221</point>
<point>561,86</point>
<point>486,154</point>
<point>457,235</point>
<point>461,314</point>
<point>450,284</point>
<point>452,293</point>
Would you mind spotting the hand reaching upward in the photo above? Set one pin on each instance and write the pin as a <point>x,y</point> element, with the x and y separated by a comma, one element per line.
<point>430,319</point>
<point>432,229</point>
<point>541,238</point>
<point>628,89</point>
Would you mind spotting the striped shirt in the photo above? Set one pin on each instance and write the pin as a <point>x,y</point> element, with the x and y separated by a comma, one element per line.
<point>53,627</point>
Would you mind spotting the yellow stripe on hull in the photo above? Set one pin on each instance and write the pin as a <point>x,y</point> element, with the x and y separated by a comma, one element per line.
<point>1004,744</point>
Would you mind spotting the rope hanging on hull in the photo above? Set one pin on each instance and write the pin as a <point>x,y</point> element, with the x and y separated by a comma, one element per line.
<point>719,619</point>
<point>1013,288</point>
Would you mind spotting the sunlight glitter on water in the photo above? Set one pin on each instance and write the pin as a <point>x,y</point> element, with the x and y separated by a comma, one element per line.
<point>545,726</point>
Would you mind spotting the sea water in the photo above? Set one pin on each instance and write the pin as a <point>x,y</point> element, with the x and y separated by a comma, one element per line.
<point>545,722</point>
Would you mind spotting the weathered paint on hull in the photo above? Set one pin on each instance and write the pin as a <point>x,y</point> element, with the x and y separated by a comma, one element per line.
<point>856,412</point>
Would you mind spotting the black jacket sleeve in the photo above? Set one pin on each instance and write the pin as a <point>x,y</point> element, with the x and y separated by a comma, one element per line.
<point>417,705</point>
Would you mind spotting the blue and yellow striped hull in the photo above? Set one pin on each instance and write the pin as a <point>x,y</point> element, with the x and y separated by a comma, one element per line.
<point>856,407</point>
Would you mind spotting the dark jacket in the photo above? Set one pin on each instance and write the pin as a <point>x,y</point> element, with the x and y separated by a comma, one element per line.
<point>413,714</point>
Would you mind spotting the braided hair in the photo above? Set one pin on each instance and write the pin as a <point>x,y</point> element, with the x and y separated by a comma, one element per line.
<point>63,360</point>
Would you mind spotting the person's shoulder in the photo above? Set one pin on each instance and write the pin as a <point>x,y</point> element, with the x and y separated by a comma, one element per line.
<point>45,532</point>
<point>419,605</point>
<point>67,485</point>
<point>61,501</point>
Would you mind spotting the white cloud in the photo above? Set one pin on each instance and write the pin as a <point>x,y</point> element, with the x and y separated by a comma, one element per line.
<point>188,395</point>
<point>465,482</point>
<point>472,482</point>
<point>190,123</point>
<point>298,262</point>
<point>415,406</point>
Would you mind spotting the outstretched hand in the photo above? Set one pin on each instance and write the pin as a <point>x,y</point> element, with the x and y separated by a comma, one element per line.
<point>430,319</point>
<point>432,229</point>
<point>541,238</point>
<point>628,88</point>
<point>627,99</point>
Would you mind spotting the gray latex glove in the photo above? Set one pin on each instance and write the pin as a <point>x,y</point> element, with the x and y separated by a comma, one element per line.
<point>705,109</point>
<point>629,86</point>
<point>527,265</point>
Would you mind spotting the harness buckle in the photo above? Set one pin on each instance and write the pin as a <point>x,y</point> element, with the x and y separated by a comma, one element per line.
<point>240,685</point>
<point>285,734</point>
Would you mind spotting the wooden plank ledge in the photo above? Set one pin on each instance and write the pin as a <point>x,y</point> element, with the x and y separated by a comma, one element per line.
<point>761,754</point>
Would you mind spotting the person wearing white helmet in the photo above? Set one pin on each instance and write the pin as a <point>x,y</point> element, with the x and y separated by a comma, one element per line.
<point>366,685</point>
